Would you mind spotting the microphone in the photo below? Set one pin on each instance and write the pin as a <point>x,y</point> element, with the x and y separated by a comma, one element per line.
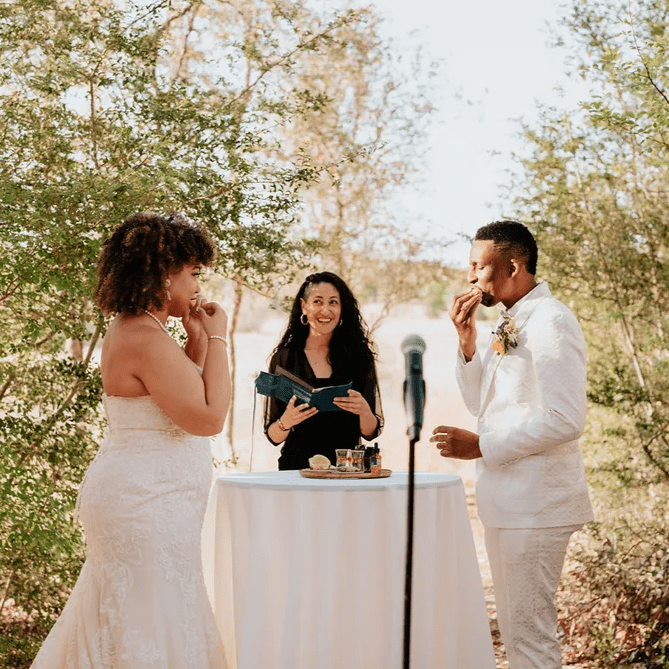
<point>413,348</point>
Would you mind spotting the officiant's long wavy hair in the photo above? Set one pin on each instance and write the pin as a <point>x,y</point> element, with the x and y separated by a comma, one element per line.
<point>350,345</point>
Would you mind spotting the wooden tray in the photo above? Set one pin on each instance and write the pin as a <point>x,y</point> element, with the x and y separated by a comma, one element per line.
<point>334,474</point>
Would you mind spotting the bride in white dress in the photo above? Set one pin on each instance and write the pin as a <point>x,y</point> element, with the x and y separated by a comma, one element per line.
<point>140,600</point>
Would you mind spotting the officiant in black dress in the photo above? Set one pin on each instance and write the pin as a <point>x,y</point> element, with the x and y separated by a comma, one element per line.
<point>326,343</point>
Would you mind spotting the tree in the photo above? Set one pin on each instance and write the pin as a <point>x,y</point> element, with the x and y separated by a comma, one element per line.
<point>363,133</point>
<point>99,120</point>
<point>368,135</point>
<point>257,42</point>
<point>593,187</point>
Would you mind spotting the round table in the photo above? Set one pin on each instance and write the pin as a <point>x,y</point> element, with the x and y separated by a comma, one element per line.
<point>309,574</point>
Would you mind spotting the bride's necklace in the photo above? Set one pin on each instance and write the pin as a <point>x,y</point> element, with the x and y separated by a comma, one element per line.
<point>162,327</point>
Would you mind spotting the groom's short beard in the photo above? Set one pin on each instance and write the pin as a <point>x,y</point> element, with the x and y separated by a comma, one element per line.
<point>487,300</point>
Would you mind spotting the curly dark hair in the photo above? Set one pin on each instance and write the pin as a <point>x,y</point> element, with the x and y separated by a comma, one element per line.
<point>350,340</point>
<point>514,238</point>
<point>139,256</point>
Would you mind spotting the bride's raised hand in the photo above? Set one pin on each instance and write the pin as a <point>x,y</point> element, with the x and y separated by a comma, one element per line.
<point>214,319</point>
<point>192,323</point>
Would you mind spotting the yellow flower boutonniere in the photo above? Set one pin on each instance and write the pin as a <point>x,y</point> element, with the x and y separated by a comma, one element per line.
<point>505,336</point>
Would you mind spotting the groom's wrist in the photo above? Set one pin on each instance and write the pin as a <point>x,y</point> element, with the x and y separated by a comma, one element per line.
<point>468,351</point>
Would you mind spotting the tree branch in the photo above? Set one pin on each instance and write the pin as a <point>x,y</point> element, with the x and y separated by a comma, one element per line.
<point>3,392</point>
<point>84,366</point>
<point>170,19</point>
<point>10,290</point>
<point>270,66</point>
<point>643,62</point>
<point>91,92</point>
<point>652,458</point>
<point>232,330</point>
<point>191,28</point>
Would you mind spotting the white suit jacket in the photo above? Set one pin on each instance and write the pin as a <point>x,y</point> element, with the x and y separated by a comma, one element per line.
<point>530,405</point>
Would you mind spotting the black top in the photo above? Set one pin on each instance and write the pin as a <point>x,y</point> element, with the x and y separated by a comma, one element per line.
<point>327,430</point>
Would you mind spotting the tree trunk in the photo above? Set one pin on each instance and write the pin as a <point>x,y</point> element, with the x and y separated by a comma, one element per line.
<point>233,365</point>
<point>6,589</point>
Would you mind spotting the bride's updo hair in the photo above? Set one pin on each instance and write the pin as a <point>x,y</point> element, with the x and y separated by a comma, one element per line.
<point>137,259</point>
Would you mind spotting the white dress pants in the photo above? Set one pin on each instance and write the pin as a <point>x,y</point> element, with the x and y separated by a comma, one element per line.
<point>526,564</point>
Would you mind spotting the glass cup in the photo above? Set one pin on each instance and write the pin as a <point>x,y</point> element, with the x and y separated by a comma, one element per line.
<point>358,459</point>
<point>343,457</point>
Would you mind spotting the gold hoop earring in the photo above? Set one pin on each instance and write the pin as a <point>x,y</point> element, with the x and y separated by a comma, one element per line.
<point>304,320</point>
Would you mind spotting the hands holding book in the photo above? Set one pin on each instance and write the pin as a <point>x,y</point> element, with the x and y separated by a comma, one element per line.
<point>294,415</point>
<point>356,403</point>
<point>353,402</point>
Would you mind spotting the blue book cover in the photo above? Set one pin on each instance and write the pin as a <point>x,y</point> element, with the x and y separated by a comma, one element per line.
<point>283,385</point>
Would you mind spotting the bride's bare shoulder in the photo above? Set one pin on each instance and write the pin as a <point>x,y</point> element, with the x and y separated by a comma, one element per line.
<point>131,335</point>
<point>132,326</point>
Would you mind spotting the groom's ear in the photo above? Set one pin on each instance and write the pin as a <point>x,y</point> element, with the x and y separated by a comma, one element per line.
<point>515,266</point>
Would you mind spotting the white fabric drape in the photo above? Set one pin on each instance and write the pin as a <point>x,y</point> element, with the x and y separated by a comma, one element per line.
<point>308,574</point>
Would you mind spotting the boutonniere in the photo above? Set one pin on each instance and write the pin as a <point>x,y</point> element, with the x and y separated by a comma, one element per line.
<point>505,336</point>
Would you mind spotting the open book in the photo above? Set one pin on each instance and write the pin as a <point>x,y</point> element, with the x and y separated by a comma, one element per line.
<point>283,385</point>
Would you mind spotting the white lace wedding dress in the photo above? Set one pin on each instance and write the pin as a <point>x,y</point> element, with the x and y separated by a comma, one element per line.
<point>140,600</point>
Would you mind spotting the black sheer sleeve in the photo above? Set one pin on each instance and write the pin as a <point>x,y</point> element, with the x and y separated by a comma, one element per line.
<point>369,389</point>
<point>274,407</point>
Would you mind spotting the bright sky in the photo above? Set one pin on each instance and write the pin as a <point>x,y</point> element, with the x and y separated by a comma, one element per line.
<point>496,53</point>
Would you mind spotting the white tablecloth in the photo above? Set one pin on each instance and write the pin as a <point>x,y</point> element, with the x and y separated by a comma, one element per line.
<point>309,574</point>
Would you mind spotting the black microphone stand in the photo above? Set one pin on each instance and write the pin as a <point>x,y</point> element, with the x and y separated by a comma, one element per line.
<point>413,438</point>
<point>413,348</point>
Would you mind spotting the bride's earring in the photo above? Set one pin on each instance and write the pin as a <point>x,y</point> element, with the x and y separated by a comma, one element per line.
<point>168,283</point>
<point>304,320</point>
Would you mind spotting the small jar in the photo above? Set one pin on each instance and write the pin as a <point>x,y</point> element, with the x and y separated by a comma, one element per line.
<point>357,459</point>
<point>375,463</point>
<point>368,458</point>
<point>343,457</point>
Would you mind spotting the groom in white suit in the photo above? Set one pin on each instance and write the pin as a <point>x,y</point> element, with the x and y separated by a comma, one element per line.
<point>527,388</point>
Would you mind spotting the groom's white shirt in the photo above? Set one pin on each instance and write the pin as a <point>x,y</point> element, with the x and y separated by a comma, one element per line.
<point>531,405</point>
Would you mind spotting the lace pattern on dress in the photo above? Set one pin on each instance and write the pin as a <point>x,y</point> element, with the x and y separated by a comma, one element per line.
<point>140,600</point>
